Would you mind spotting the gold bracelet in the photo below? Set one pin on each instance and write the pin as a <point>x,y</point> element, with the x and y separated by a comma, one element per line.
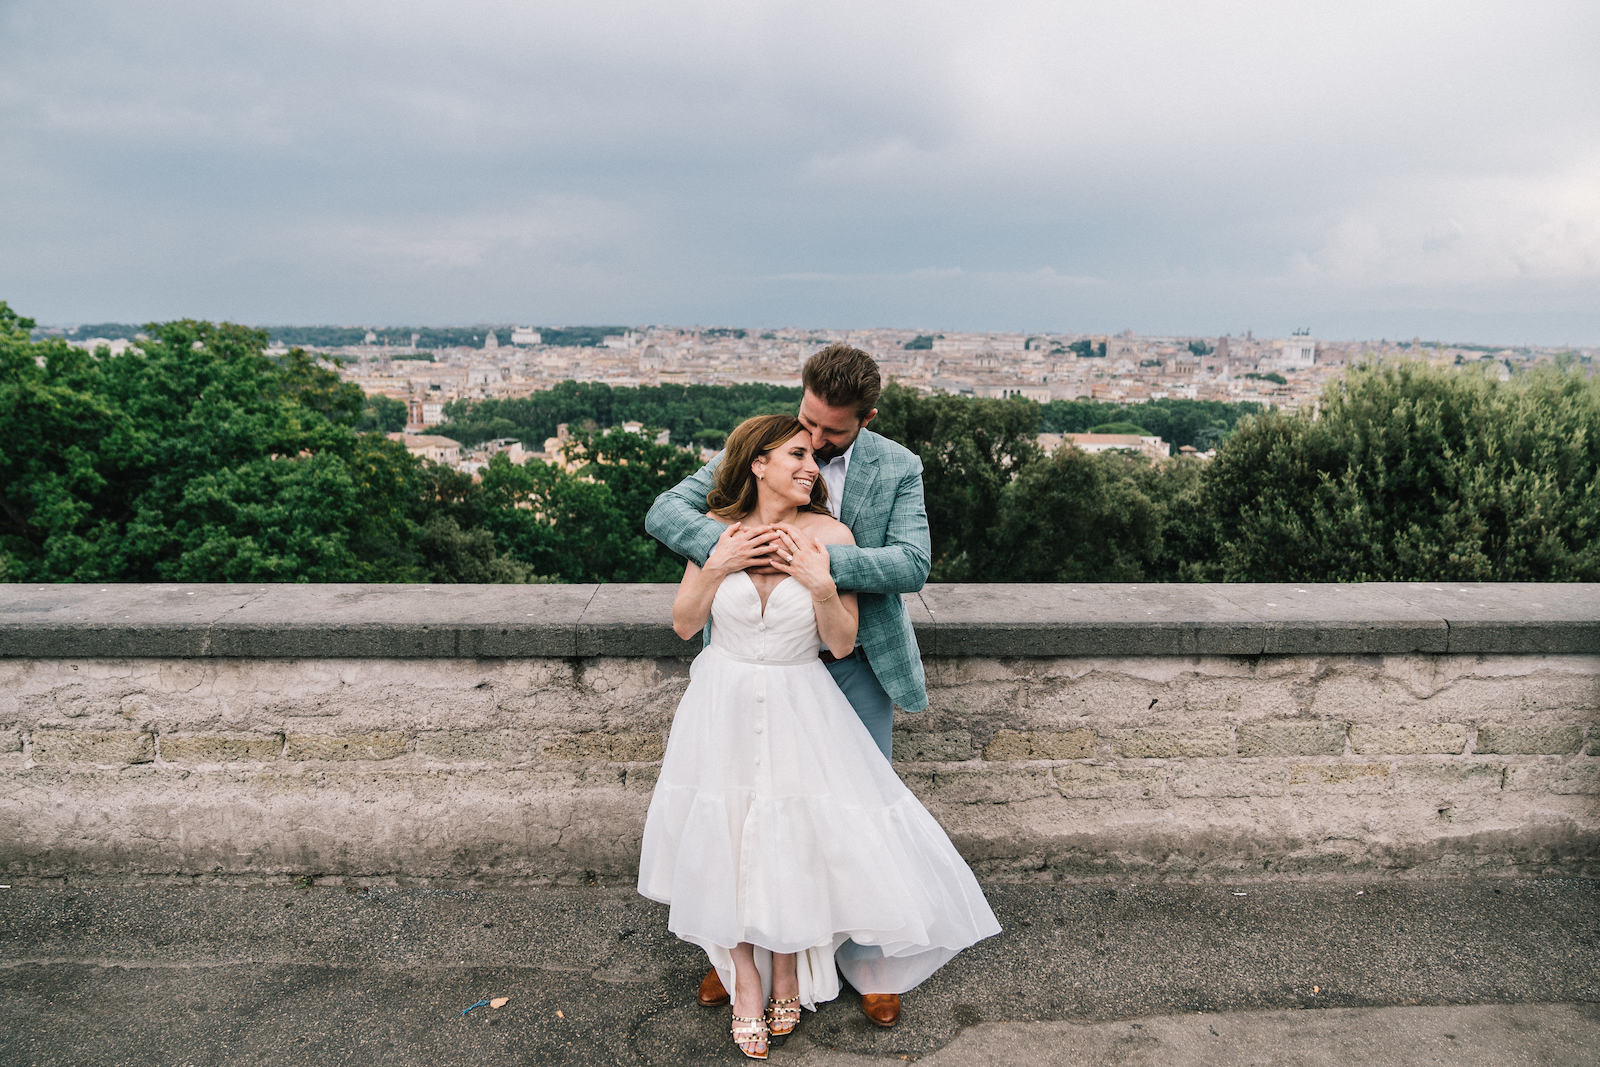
<point>827,598</point>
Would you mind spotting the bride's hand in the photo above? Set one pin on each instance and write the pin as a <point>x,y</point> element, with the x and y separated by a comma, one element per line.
<point>741,547</point>
<point>805,559</point>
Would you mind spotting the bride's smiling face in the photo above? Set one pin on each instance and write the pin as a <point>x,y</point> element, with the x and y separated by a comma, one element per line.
<point>789,470</point>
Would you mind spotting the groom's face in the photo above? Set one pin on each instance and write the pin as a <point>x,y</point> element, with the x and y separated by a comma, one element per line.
<point>832,429</point>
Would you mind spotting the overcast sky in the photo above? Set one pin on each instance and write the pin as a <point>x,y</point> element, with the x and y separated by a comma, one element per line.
<point>1366,170</point>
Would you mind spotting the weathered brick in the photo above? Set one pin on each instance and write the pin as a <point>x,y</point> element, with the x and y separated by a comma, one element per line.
<point>221,748</point>
<point>1528,740</point>
<point>641,779</point>
<point>380,744</point>
<point>1039,744</point>
<point>598,747</point>
<point>1157,743</point>
<point>1446,738</point>
<point>1465,776</point>
<point>932,746</point>
<point>980,786</point>
<point>1292,739</point>
<point>93,746</point>
<point>465,746</point>
<point>1560,778</point>
<point>1088,780</point>
<point>1575,778</point>
<point>1343,777</point>
<point>1229,780</point>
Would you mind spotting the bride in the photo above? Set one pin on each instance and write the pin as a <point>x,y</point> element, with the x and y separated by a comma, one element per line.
<point>779,835</point>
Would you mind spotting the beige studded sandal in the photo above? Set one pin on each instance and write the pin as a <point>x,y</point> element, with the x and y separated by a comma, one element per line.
<point>783,1015</point>
<point>751,1035</point>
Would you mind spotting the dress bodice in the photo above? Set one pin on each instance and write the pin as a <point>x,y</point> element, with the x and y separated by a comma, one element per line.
<point>786,633</point>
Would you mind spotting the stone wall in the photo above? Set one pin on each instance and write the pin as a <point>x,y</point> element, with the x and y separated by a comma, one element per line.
<point>512,734</point>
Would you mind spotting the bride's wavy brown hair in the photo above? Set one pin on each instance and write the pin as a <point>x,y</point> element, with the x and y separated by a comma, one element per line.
<point>733,496</point>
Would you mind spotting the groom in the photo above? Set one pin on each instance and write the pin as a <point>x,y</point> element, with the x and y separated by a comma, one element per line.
<point>875,488</point>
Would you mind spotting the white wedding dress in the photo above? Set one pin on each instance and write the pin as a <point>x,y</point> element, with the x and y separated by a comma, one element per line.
<point>777,821</point>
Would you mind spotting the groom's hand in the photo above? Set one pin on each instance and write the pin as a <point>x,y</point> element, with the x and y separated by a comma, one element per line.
<point>762,564</point>
<point>742,548</point>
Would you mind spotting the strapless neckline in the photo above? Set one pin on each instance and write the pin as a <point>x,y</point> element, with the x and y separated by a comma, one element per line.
<point>756,589</point>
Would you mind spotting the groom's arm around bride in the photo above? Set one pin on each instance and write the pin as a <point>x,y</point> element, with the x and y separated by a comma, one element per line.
<point>880,500</point>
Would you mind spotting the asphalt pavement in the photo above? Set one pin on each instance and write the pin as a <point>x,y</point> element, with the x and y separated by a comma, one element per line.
<point>1391,972</point>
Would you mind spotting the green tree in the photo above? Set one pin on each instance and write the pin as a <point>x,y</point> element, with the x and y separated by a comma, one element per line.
<point>682,410</point>
<point>319,389</point>
<point>1414,474</point>
<point>563,526</point>
<point>1179,422</point>
<point>192,456</point>
<point>970,450</point>
<point>1075,517</point>
<point>382,414</point>
<point>636,471</point>
<point>710,438</point>
<point>457,555</point>
<point>1121,426</point>
<point>273,519</point>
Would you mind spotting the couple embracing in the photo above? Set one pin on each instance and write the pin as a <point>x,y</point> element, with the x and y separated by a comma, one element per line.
<point>782,839</point>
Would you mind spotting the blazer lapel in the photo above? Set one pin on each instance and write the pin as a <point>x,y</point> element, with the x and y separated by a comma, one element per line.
<point>859,479</point>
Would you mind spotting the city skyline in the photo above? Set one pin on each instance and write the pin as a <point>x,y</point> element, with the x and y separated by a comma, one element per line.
<point>391,334</point>
<point>1376,171</point>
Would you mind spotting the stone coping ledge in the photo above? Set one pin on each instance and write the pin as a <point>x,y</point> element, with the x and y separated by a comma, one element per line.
<point>996,621</point>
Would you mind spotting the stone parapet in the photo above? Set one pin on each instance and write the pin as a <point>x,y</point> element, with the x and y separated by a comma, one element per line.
<point>516,622</point>
<point>482,734</point>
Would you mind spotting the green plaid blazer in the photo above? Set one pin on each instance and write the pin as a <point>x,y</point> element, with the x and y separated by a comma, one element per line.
<point>884,510</point>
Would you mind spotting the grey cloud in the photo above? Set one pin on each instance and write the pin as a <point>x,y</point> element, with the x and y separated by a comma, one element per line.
<point>824,163</point>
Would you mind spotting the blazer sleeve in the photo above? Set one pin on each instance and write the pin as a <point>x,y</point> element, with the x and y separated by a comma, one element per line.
<point>678,517</point>
<point>901,565</point>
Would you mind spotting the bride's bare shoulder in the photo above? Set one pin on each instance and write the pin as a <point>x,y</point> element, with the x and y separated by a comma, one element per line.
<point>825,528</point>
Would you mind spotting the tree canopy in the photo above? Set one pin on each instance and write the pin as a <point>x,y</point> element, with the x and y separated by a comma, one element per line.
<point>1178,422</point>
<point>194,456</point>
<point>589,527</point>
<point>690,413</point>
<point>971,450</point>
<point>1410,473</point>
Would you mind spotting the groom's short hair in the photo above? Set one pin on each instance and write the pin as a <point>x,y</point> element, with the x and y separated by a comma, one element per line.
<point>844,377</point>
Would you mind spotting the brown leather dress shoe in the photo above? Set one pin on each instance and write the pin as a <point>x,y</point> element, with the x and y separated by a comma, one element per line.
<point>711,994</point>
<point>882,1008</point>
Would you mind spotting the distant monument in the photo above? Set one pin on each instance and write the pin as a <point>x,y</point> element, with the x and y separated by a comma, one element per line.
<point>1300,350</point>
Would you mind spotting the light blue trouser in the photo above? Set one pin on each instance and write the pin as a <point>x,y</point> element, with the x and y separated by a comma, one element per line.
<point>872,704</point>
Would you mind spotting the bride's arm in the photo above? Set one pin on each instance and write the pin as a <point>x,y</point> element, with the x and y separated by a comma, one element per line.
<point>692,606</point>
<point>837,621</point>
<point>736,549</point>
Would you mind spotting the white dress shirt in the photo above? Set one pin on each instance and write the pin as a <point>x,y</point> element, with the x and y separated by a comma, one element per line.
<point>833,473</point>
